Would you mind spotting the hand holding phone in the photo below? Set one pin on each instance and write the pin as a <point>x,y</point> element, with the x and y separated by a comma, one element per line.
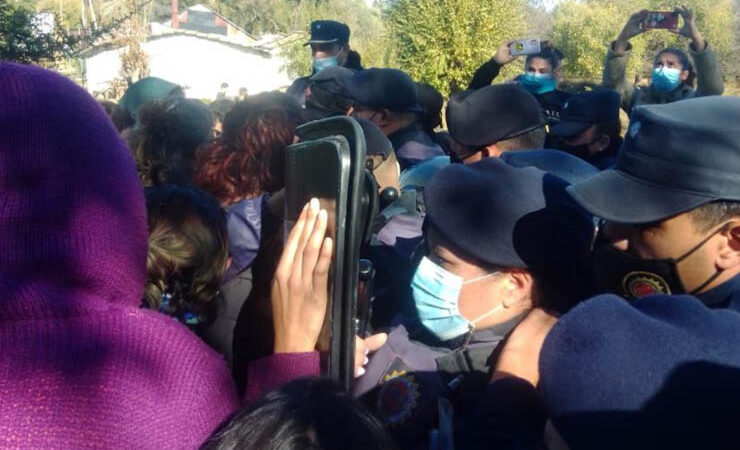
<point>525,47</point>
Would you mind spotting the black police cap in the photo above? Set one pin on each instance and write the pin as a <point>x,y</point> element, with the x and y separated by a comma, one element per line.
<point>585,110</point>
<point>507,216</point>
<point>384,88</point>
<point>328,32</point>
<point>492,114</point>
<point>675,157</point>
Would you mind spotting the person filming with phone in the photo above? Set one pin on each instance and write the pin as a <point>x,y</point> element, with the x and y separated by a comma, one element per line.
<point>542,73</point>
<point>673,72</point>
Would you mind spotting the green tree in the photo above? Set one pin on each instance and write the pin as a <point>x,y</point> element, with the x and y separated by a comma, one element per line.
<point>583,30</point>
<point>21,39</point>
<point>442,42</point>
<point>295,16</point>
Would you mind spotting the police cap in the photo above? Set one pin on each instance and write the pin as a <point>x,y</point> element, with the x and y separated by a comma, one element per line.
<point>328,32</point>
<point>675,157</point>
<point>585,110</point>
<point>507,216</point>
<point>384,88</point>
<point>492,114</point>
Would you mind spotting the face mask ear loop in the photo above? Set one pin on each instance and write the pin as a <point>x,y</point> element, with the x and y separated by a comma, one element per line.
<point>716,273</point>
<point>482,277</point>
<point>700,244</point>
<point>471,324</point>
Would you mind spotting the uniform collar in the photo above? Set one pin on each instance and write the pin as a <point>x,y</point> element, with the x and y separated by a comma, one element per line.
<point>723,295</point>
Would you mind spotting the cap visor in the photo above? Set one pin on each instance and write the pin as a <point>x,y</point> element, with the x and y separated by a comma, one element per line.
<point>316,41</point>
<point>618,197</point>
<point>568,129</point>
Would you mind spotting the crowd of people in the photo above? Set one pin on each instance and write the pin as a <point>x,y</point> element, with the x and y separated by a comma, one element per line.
<point>543,278</point>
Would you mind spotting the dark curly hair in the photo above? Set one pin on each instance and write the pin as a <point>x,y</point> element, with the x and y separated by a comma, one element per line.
<point>246,161</point>
<point>188,251</point>
<point>166,137</point>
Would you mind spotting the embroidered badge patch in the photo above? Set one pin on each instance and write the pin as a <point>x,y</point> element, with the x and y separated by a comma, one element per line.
<point>640,284</point>
<point>398,397</point>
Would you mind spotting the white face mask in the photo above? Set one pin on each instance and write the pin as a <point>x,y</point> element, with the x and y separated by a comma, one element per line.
<point>436,297</point>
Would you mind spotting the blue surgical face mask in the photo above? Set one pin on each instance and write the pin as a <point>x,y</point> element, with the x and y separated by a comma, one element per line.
<point>537,83</point>
<point>320,64</point>
<point>436,295</point>
<point>665,79</point>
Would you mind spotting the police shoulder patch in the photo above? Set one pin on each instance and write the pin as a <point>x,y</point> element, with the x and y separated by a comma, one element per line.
<point>397,399</point>
<point>399,394</point>
<point>640,284</point>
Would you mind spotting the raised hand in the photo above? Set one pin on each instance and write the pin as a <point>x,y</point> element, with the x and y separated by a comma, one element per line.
<point>300,291</point>
<point>632,28</point>
<point>689,28</point>
<point>503,55</point>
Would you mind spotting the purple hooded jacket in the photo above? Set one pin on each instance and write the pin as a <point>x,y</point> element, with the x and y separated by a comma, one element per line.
<point>82,366</point>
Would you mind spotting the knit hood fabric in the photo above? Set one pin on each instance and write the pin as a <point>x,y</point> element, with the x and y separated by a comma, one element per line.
<point>72,212</point>
<point>82,365</point>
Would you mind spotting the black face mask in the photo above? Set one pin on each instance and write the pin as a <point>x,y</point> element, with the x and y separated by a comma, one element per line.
<point>580,151</point>
<point>618,272</point>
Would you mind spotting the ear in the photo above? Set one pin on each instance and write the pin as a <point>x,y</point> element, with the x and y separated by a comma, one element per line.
<point>492,151</point>
<point>557,73</point>
<point>685,75</point>
<point>728,256</point>
<point>519,293</point>
<point>351,111</point>
<point>602,143</point>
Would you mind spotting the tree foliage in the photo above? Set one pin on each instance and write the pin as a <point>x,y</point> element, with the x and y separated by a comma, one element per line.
<point>22,40</point>
<point>583,30</point>
<point>294,16</point>
<point>442,42</point>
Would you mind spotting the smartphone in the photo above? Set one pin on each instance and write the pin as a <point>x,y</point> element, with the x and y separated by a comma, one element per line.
<point>659,20</point>
<point>525,47</point>
<point>329,164</point>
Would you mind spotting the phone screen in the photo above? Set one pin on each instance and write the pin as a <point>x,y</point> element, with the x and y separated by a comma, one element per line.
<point>659,20</point>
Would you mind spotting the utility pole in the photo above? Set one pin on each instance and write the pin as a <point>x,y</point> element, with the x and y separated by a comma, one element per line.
<point>93,22</point>
<point>84,15</point>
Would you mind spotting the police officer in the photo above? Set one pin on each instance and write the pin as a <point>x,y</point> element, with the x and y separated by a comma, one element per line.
<point>542,72</point>
<point>493,120</point>
<point>498,241</point>
<point>671,204</point>
<point>326,94</point>
<point>589,127</point>
<point>673,74</point>
<point>397,228</point>
<point>388,98</point>
<point>329,48</point>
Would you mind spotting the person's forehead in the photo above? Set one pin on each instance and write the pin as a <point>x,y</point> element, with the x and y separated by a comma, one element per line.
<point>538,63</point>
<point>324,47</point>
<point>677,222</point>
<point>669,57</point>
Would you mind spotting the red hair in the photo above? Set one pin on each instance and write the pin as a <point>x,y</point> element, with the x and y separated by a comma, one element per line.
<point>246,161</point>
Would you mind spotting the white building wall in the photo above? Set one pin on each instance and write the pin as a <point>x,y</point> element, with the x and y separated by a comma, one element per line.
<point>200,65</point>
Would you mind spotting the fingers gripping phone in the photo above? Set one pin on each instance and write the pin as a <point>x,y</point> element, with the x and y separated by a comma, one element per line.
<point>525,47</point>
